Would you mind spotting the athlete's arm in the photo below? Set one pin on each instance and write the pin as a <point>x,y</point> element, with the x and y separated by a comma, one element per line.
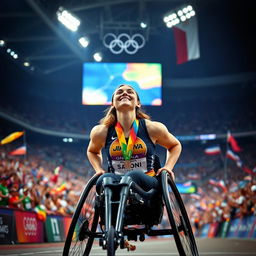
<point>97,141</point>
<point>159,134</point>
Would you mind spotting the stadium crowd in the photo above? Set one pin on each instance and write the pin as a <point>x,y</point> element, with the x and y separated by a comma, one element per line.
<point>190,112</point>
<point>52,176</point>
<point>37,181</point>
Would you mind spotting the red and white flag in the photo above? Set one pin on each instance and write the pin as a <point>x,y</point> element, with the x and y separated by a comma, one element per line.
<point>233,142</point>
<point>222,185</point>
<point>186,40</point>
<point>19,151</point>
<point>214,150</point>
<point>231,155</point>
<point>248,170</point>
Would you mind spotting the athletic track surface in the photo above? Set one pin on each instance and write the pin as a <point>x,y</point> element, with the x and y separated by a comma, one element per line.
<point>150,247</point>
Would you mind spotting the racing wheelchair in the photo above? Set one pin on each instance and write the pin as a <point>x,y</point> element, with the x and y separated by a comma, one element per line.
<point>110,217</point>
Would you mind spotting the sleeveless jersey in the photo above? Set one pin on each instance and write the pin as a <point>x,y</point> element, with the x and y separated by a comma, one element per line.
<point>143,155</point>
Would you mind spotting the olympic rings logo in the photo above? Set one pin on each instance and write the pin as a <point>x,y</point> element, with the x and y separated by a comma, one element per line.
<point>123,42</point>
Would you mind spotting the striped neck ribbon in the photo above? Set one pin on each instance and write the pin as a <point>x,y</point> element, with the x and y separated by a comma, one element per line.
<point>127,149</point>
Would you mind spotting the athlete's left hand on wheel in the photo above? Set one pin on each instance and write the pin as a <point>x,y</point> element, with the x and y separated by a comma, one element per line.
<point>166,169</point>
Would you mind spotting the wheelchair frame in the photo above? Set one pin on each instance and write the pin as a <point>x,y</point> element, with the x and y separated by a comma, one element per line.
<point>91,208</point>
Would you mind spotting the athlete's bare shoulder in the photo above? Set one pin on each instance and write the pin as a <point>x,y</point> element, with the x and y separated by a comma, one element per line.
<point>155,129</point>
<point>99,131</point>
<point>154,126</point>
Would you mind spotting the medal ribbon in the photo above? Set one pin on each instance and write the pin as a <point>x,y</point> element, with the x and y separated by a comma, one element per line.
<point>127,148</point>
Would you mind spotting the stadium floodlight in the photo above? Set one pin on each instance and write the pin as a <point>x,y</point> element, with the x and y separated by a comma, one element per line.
<point>143,24</point>
<point>26,64</point>
<point>15,56</point>
<point>97,56</point>
<point>68,140</point>
<point>2,43</point>
<point>84,41</point>
<point>67,19</point>
<point>176,16</point>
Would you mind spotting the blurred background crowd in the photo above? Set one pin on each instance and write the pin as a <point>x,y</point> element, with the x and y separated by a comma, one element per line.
<point>52,174</point>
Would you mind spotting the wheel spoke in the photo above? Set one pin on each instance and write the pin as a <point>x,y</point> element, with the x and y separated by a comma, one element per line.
<point>84,223</point>
<point>178,218</point>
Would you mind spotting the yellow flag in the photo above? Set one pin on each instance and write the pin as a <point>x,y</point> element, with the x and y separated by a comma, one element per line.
<point>11,137</point>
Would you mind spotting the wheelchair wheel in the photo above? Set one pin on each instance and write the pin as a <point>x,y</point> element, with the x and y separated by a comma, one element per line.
<point>178,217</point>
<point>84,223</point>
<point>111,243</point>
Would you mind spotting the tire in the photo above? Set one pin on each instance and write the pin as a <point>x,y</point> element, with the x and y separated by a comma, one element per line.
<point>178,218</point>
<point>84,223</point>
<point>111,244</point>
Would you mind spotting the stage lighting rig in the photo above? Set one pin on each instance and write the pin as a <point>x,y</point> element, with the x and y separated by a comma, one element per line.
<point>97,56</point>
<point>68,19</point>
<point>84,41</point>
<point>176,16</point>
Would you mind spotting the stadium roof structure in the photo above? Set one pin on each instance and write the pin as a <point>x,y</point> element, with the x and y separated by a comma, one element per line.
<point>31,30</point>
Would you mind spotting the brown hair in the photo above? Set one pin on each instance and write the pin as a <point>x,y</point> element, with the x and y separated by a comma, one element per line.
<point>110,117</point>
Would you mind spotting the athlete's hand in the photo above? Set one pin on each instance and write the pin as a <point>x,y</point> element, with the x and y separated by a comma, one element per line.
<point>166,169</point>
<point>100,172</point>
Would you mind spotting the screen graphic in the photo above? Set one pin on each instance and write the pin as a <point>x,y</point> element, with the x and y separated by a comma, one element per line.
<point>185,188</point>
<point>101,79</point>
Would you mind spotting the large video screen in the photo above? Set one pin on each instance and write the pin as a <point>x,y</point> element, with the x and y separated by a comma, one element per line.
<point>101,79</point>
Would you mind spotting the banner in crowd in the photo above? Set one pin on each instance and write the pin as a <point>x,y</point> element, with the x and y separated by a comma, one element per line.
<point>54,229</point>
<point>213,229</point>
<point>66,225</point>
<point>224,227</point>
<point>205,230</point>
<point>236,228</point>
<point>246,226</point>
<point>7,227</point>
<point>28,228</point>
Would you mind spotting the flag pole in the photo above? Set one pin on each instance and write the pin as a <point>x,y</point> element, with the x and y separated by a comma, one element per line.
<point>221,155</point>
<point>226,159</point>
<point>25,144</point>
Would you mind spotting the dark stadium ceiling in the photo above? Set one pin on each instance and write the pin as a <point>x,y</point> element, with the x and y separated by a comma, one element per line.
<point>31,29</point>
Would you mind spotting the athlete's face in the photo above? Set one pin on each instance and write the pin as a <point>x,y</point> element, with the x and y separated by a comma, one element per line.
<point>125,96</point>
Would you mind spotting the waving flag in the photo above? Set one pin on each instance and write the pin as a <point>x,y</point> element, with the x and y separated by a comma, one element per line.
<point>59,189</point>
<point>222,185</point>
<point>186,40</point>
<point>213,182</point>
<point>214,150</point>
<point>248,170</point>
<point>13,136</point>
<point>40,212</point>
<point>19,151</point>
<point>55,177</point>
<point>218,183</point>
<point>194,176</point>
<point>233,142</point>
<point>196,196</point>
<point>231,155</point>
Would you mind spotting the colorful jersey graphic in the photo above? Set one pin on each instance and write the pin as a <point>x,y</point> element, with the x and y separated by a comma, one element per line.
<point>138,159</point>
<point>143,156</point>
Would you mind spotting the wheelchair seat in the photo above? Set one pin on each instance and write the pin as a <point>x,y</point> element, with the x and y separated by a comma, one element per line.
<point>138,202</point>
